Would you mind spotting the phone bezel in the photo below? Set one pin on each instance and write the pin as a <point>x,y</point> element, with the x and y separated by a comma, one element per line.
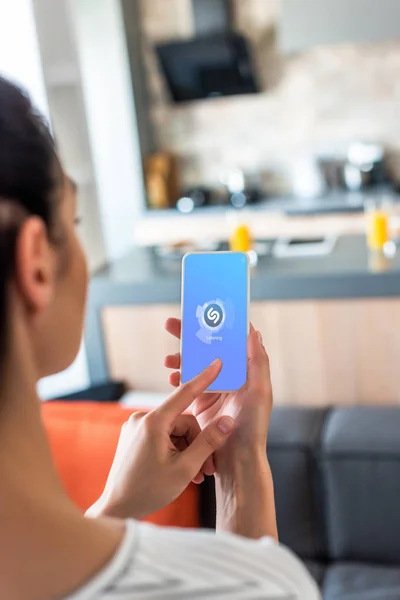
<point>183,296</point>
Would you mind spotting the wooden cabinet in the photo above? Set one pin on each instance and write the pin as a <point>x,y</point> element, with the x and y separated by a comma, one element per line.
<point>321,352</point>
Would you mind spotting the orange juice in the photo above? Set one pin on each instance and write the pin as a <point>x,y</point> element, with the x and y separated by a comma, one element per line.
<point>241,239</point>
<point>378,229</point>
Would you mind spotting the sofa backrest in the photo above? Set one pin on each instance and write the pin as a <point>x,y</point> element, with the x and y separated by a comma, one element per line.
<point>360,467</point>
<point>337,482</point>
<point>293,442</point>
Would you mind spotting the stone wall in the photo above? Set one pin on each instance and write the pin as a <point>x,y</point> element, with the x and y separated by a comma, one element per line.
<point>312,100</point>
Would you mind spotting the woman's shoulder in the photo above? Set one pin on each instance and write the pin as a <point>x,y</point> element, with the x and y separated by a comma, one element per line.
<point>155,563</point>
<point>204,559</point>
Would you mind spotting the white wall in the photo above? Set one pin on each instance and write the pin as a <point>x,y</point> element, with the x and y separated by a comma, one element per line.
<point>111,118</point>
<point>73,379</point>
<point>20,61</point>
<point>63,80</point>
<point>91,59</point>
<point>19,50</point>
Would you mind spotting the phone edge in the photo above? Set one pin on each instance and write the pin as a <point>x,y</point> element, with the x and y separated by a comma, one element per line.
<point>182,299</point>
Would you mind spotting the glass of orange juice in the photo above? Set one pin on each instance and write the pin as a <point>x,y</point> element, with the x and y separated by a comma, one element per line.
<point>241,239</point>
<point>378,213</point>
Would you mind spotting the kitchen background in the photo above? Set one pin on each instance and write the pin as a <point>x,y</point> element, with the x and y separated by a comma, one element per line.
<point>329,78</point>
<point>314,100</point>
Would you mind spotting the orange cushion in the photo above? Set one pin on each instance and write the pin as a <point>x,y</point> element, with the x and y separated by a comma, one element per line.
<point>83,439</point>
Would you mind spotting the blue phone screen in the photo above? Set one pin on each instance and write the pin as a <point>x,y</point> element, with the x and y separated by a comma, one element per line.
<point>214,317</point>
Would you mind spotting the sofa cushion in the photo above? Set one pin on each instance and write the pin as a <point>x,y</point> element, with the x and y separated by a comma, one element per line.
<point>293,437</point>
<point>360,463</point>
<point>83,438</point>
<point>361,582</point>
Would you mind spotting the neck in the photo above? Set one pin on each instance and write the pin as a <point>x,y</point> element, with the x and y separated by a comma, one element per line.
<point>25,457</point>
<point>41,528</point>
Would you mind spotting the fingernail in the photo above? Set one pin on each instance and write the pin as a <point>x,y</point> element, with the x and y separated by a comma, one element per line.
<point>215,362</point>
<point>226,425</point>
<point>260,338</point>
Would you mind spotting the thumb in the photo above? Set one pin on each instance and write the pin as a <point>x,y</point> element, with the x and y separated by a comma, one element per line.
<point>258,369</point>
<point>255,348</point>
<point>257,356</point>
<point>207,442</point>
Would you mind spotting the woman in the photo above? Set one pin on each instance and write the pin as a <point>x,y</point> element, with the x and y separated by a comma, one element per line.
<point>48,549</point>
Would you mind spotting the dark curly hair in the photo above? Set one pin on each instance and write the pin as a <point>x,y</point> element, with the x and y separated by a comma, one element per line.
<point>29,178</point>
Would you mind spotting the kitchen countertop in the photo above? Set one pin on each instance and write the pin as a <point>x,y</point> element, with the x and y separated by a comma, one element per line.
<point>338,213</point>
<point>142,277</point>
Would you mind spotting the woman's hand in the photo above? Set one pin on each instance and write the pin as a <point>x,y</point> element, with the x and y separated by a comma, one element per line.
<point>250,407</point>
<point>244,486</point>
<point>160,452</point>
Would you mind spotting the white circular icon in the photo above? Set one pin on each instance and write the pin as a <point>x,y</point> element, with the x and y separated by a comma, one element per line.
<point>213,315</point>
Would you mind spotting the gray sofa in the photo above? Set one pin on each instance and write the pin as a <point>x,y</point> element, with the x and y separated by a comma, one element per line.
<point>337,486</point>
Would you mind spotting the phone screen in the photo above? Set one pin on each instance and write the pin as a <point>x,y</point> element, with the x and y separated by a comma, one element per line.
<point>215,297</point>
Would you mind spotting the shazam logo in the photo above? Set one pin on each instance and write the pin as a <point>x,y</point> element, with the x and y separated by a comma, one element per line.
<point>212,317</point>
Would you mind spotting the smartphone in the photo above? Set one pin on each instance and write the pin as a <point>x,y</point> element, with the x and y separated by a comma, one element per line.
<point>215,317</point>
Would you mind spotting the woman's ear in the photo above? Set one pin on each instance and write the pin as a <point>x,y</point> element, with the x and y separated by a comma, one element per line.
<point>34,265</point>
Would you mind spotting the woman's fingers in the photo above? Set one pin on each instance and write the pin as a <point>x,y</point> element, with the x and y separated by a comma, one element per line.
<point>205,402</point>
<point>209,467</point>
<point>173,326</point>
<point>184,397</point>
<point>173,361</point>
<point>186,426</point>
<point>212,438</point>
<point>175,379</point>
<point>258,375</point>
<point>256,351</point>
<point>186,429</point>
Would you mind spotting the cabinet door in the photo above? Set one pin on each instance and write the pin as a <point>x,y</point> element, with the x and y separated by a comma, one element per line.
<point>332,352</point>
<point>137,343</point>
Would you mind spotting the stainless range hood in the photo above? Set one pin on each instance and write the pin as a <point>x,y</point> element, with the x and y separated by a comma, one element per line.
<point>307,23</point>
<point>216,62</point>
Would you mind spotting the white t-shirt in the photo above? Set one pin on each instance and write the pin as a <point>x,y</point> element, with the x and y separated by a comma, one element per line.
<point>174,564</point>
